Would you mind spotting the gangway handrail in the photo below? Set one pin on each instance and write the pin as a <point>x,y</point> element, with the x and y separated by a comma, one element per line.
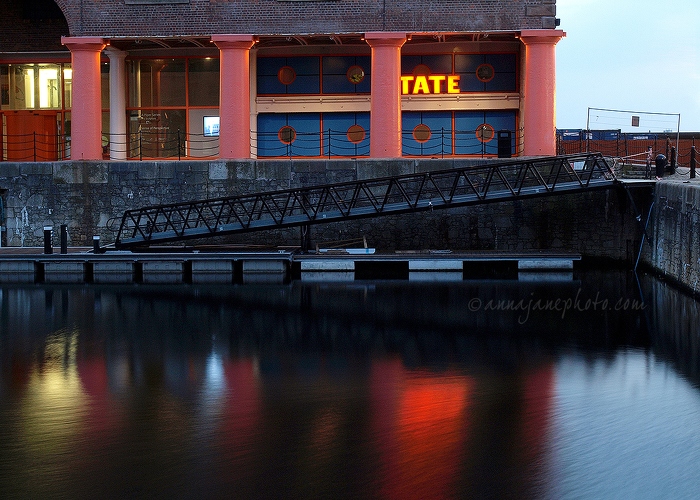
<point>451,188</point>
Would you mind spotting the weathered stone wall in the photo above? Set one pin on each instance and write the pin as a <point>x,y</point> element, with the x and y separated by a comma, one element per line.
<point>674,250</point>
<point>90,198</point>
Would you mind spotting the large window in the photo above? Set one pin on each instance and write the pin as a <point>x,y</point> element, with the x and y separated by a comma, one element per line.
<point>34,86</point>
<point>168,99</point>
<point>35,98</point>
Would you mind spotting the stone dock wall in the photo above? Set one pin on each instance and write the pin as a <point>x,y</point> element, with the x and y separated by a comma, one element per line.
<point>90,198</point>
<point>674,231</point>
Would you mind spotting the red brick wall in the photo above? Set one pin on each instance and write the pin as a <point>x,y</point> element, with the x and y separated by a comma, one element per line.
<point>114,18</point>
<point>19,34</point>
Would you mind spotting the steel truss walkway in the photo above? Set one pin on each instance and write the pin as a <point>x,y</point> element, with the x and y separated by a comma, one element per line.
<point>457,187</point>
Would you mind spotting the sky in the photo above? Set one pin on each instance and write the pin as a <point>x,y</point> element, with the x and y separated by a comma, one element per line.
<point>630,55</point>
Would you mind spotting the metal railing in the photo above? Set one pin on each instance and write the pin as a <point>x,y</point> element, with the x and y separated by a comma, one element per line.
<point>328,143</point>
<point>493,182</point>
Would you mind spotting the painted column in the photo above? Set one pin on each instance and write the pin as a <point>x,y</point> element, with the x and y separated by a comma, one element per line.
<point>86,108</point>
<point>385,107</point>
<point>234,97</point>
<point>118,138</point>
<point>539,92</point>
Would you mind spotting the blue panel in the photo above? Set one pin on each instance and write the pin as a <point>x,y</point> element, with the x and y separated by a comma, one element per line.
<point>306,126</point>
<point>308,129</point>
<point>337,84</point>
<point>365,62</point>
<point>305,65</point>
<point>468,82</point>
<point>336,125</point>
<point>502,82</point>
<point>439,64</point>
<point>307,79</point>
<point>504,66</point>
<point>408,63</point>
<point>305,84</point>
<point>335,79</point>
<point>270,84</point>
<point>337,65</point>
<point>467,63</point>
<point>465,67</point>
<point>500,120</point>
<point>440,142</point>
<point>270,65</point>
<point>502,63</point>
<point>466,123</point>
<point>268,141</point>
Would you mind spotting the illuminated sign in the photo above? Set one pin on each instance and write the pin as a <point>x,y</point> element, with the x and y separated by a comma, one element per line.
<point>211,126</point>
<point>430,84</point>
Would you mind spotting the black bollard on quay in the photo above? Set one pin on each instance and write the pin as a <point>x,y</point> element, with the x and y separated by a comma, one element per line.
<point>64,239</point>
<point>48,247</point>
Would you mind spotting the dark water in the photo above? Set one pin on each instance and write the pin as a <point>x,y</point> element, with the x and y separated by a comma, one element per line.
<point>500,389</point>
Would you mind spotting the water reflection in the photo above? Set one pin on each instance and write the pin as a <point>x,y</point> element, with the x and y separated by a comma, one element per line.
<point>362,389</point>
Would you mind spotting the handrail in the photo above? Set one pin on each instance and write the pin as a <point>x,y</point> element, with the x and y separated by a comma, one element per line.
<point>491,182</point>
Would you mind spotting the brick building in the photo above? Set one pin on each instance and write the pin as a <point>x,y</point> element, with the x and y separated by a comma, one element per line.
<point>124,79</point>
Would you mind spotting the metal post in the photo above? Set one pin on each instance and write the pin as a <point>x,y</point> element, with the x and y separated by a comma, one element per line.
<point>178,145</point>
<point>693,162</point>
<point>64,239</point>
<point>305,238</point>
<point>96,244</point>
<point>442,141</point>
<point>673,160</point>
<point>48,248</point>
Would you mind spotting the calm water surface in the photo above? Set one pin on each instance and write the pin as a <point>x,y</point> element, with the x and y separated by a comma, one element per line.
<point>393,389</point>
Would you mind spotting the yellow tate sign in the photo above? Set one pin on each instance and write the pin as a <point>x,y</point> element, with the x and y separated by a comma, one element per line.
<point>430,84</point>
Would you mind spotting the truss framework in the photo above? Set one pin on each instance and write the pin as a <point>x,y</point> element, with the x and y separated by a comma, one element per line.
<point>457,187</point>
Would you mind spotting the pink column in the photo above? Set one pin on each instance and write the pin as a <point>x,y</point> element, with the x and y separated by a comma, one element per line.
<point>539,93</point>
<point>234,100</point>
<point>385,108</point>
<point>86,109</point>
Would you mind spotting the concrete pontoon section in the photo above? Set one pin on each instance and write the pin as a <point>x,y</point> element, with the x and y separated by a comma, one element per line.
<point>224,267</point>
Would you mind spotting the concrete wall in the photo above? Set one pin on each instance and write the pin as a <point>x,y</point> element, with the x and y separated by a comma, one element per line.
<point>675,232</point>
<point>90,199</point>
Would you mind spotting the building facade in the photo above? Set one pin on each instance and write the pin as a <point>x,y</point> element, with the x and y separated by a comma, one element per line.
<point>135,79</point>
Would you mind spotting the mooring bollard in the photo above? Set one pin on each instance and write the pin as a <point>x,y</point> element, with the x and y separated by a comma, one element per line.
<point>48,248</point>
<point>64,239</point>
<point>693,162</point>
<point>96,244</point>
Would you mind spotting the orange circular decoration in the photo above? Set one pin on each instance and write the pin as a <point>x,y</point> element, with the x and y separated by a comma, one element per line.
<point>356,134</point>
<point>485,73</point>
<point>287,134</point>
<point>485,132</point>
<point>286,75</point>
<point>421,133</point>
<point>355,74</point>
<point>421,70</point>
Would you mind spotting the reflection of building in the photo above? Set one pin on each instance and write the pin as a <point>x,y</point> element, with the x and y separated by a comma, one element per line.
<point>346,79</point>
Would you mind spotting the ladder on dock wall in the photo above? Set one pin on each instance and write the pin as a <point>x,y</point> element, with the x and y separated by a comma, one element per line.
<point>456,187</point>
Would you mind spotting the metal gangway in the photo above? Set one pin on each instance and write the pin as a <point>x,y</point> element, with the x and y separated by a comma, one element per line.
<point>456,187</point>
